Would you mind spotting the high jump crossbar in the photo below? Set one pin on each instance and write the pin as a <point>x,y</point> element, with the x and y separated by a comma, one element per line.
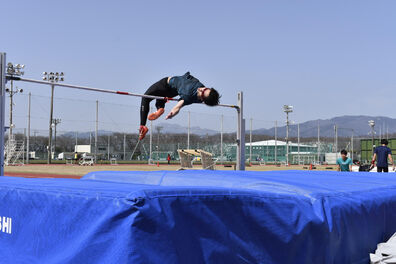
<point>16,78</point>
<point>4,78</point>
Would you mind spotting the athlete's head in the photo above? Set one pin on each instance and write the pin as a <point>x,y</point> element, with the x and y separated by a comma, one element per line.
<point>384,142</point>
<point>344,154</point>
<point>210,96</point>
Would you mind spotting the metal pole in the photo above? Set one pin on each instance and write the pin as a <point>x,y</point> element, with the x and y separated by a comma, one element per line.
<point>240,135</point>
<point>108,147</point>
<point>298,141</point>
<point>55,137</point>
<point>276,142</point>
<point>318,142</point>
<point>151,140</point>
<point>287,138</point>
<point>96,130</point>
<point>11,109</point>
<point>221,138</point>
<point>188,131</point>
<point>50,125</point>
<point>28,130</point>
<point>251,128</point>
<point>2,109</point>
<point>336,139</point>
<point>24,142</point>
<point>372,138</point>
<point>124,146</point>
<point>352,145</point>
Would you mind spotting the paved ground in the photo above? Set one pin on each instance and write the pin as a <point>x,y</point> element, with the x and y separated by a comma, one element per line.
<point>76,172</point>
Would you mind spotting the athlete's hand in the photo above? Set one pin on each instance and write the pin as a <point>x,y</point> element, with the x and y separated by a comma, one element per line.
<point>170,115</point>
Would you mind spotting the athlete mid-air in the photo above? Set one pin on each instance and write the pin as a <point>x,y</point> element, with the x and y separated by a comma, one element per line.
<point>189,89</point>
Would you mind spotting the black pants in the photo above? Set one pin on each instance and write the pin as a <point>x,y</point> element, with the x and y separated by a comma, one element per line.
<point>160,88</point>
<point>382,169</point>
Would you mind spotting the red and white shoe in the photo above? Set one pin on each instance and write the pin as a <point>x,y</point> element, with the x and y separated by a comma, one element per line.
<point>142,132</point>
<point>156,114</point>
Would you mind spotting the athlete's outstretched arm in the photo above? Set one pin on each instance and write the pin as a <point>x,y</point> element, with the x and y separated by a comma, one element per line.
<point>175,110</point>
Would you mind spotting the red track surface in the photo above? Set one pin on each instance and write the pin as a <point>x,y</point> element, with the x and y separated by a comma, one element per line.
<point>40,175</point>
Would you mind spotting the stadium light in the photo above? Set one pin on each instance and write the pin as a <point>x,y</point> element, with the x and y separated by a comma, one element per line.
<point>287,109</point>
<point>13,70</point>
<point>52,77</point>
<point>372,125</point>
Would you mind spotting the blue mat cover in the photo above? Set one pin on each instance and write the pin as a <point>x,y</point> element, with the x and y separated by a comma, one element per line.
<point>197,217</point>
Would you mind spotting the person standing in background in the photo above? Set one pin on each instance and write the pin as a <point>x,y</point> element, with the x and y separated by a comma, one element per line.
<point>344,163</point>
<point>382,154</point>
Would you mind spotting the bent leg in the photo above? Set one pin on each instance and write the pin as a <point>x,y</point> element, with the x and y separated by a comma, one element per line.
<point>160,104</point>
<point>144,110</point>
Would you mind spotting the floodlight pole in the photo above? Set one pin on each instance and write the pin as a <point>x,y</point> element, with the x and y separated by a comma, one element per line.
<point>240,135</point>
<point>221,139</point>
<point>2,109</point>
<point>50,125</point>
<point>287,109</point>
<point>276,143</point>
<point>96,131</point>
<point>372,125</point>
<point>188,131</point>
<point>11,109</point>
<point>250,139</point>
<point>28,130</point>
<point>298,141</point>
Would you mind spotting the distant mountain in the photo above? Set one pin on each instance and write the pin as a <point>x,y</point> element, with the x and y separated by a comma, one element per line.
<point>175,128</point>
<point>345,124</point>
<point>86,134</point>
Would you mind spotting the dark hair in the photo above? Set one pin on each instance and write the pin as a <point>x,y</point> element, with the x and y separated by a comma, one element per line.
<point>213,98</point>
<point>384,141</point>
<point>344,152</point>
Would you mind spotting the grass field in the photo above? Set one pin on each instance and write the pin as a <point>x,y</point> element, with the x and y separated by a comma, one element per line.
<point>75,171</point>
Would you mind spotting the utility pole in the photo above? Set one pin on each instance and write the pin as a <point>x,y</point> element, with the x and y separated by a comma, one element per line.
<point>336,139</point>
<point>221,138</point>
<point>188,131</point>
<point>276,143</point>
<point>28,130</point>
<point>52,78</point>
<point>298,141</point>
<point>251,128</point>
<point>108,147</point>
<point>96,131</point>
<point>151,141</point>
<point>352,145</point>
<point>318,142</point>
<point>124,146</point>
<point>158,128</point>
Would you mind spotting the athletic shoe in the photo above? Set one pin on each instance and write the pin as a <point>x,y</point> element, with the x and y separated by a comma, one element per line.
<point>156,114</point>
<point>142,132</point>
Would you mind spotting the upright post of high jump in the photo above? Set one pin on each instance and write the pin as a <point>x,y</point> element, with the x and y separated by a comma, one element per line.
<point>2,109</point>
<point>240,135</point>
<point>4,77</point>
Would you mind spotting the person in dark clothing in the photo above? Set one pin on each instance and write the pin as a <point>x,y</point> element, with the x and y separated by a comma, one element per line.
<point>187,87</point>
<point>382,154</point>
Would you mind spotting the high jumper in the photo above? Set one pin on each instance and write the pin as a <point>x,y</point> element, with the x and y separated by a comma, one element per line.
<point>189,89</point>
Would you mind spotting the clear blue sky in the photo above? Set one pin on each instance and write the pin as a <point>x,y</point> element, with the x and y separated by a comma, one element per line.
<point>327,58</point>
